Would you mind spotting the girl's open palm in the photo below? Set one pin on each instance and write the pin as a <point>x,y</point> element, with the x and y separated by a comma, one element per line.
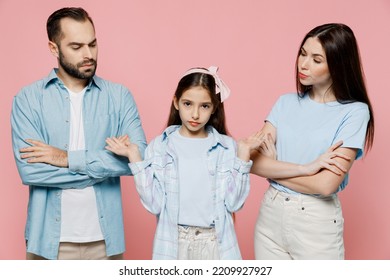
<point>122,146</point>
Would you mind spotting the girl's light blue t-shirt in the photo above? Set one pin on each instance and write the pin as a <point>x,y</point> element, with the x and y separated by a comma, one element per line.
<point>305,129</point>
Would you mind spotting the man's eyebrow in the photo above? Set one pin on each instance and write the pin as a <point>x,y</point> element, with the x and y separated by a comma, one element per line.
<point>92,42</point>
<point>81,44</point>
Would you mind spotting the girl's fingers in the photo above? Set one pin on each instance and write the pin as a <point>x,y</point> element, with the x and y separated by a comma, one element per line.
<point>112,142</point>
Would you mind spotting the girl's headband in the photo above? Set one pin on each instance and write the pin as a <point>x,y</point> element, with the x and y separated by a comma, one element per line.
<point>220,86</point>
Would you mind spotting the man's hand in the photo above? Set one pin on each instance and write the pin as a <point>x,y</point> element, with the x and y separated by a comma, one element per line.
<point>43,153</point>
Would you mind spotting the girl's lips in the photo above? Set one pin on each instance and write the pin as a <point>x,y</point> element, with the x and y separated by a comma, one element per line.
<point>193,123</point>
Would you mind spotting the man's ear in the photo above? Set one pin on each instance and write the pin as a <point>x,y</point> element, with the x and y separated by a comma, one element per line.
<point>53,47</point>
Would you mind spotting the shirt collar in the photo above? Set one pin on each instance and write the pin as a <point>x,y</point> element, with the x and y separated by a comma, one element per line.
<point>53,78</point>
<point>217,137</point>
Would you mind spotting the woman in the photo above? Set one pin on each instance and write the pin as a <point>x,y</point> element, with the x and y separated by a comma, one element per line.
<point>301,217</point>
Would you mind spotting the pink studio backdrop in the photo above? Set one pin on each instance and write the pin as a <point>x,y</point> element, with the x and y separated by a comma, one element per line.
<point>146,45</point>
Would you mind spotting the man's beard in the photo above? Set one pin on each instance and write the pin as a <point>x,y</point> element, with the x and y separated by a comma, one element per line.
<point>73,70</point>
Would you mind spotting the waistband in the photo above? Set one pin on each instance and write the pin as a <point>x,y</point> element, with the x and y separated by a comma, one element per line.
<point>298,197</point>
<point>196,232</point>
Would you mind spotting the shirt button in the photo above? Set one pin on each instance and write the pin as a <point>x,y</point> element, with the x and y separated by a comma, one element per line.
<point>66,146</point>
<point>287,199</point>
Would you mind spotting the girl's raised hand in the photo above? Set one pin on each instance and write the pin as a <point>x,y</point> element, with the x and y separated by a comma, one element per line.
<point>328,161</point>
<point>123,147</point>
<point>247,145</point>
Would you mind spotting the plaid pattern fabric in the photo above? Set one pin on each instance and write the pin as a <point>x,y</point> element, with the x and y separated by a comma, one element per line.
<point>158,185</point>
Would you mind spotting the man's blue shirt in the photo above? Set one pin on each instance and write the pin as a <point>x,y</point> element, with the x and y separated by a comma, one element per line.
<point>41,111</point>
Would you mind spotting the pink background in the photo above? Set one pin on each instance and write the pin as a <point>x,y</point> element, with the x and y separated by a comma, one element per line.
<point>146,45</point>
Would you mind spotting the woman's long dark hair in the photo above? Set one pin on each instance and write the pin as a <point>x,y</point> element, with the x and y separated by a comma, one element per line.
<point>206,81</point>
<point>345,68</point>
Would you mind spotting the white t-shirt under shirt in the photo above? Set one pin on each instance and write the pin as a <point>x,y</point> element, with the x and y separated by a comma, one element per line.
<point>79,214</point>
<point>195,183</point>
<point>305,129</point>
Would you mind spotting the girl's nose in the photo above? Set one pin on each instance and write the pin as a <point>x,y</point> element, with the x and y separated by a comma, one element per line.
<point>195,113</point>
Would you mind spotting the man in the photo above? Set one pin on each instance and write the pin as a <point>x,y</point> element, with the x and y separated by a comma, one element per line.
<point>59,127</point>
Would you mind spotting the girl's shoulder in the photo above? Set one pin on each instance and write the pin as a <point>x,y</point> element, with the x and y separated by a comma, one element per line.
<point>223,139</point>
<point>157,144</point>
<point>160,142</point>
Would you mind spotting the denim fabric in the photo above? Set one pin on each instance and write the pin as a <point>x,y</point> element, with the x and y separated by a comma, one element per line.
<point>41,111</point>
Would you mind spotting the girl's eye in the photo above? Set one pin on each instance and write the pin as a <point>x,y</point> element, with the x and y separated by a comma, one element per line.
<point>186,104</point>
<point>206,106</point>
<point>317,61</point>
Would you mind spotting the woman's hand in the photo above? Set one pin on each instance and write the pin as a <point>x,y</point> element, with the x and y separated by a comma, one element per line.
<point>268,148</point>
<point>328,161</point>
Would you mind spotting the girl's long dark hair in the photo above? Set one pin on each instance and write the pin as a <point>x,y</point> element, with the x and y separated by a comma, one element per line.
<point>217,119</point>
<point>344,63</point>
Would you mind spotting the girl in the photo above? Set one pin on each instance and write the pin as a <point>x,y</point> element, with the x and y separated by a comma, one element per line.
<point>301,217</point>
<point>193,178</point>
